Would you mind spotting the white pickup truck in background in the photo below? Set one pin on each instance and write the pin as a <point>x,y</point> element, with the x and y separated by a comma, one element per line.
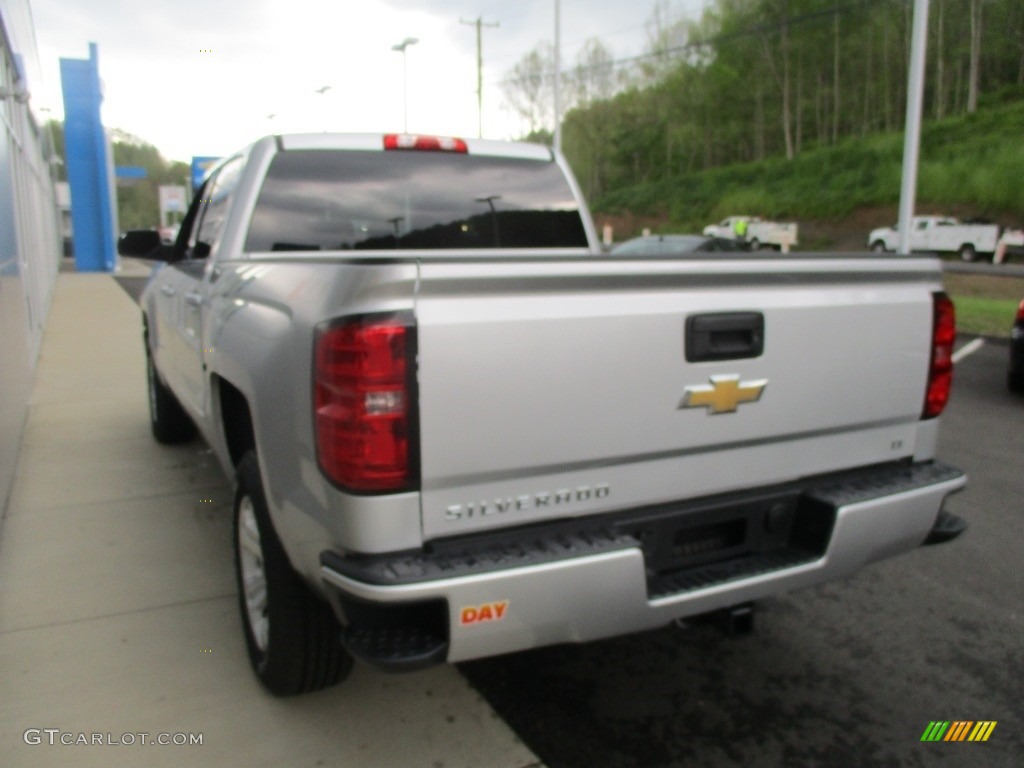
<point>944,234</point>
<point>759,233</point>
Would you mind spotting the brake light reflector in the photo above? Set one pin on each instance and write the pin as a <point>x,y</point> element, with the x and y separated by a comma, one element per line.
<point>364,402</point>
<point>1020,311</point>
<point>940,373</point>
<point>424,143</point>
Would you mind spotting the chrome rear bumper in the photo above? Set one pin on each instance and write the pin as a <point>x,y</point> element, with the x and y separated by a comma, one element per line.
<point>575,586</point>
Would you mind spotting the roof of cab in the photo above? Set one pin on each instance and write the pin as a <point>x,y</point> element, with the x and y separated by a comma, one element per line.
<point>369,142</point>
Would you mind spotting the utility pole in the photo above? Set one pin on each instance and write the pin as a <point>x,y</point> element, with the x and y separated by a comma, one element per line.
<point>479,24</point>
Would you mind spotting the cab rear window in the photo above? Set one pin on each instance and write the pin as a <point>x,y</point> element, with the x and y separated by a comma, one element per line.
<point>314,200</point>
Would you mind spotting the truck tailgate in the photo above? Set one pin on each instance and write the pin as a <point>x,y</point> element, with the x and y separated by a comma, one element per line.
<point>553,388</point>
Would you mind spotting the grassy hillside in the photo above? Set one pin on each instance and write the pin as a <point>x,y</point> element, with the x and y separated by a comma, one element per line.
<point>971,164</point>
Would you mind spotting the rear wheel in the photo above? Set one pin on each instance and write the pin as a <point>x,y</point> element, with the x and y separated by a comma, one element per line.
<point>755,244</point>
<point>878,246</point>
<point>293,639</point>
<point>967,252</point>
<point>168,420</point>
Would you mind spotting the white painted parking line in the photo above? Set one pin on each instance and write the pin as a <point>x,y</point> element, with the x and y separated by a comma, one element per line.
<point>968,349</point>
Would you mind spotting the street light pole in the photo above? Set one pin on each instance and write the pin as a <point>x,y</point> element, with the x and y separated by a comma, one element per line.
<point>494,216</point>
<point>405,79</point>
<point>557,139</point>
<point>321,90</point>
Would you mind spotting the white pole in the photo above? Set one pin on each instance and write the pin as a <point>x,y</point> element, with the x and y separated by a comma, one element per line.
<point>912,132</point>
<point>400,47</point>
<point>405,91</point>
<point>558,77</point>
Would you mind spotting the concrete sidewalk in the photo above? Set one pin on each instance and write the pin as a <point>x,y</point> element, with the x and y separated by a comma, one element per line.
<point>118,612</point>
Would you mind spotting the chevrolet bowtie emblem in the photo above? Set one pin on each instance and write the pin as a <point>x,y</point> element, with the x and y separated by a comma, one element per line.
<point>723,395</point>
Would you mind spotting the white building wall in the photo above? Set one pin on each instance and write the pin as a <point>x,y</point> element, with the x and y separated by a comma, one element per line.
<point>29,241</point>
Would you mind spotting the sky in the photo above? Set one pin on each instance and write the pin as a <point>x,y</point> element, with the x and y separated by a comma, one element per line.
<point>206,77</point>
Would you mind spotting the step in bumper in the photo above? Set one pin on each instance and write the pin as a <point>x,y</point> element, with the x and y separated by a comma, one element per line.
<point>578,586</point>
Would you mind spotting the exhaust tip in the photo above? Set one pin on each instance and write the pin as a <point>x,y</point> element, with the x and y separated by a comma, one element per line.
<point>738,620</point>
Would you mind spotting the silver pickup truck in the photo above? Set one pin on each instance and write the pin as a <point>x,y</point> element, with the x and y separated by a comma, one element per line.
<point>457,429</point>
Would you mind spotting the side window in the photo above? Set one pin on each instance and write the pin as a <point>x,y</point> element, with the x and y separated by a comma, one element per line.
<point>216,198</point>
<point>205,218</point>
<point>185,241</point>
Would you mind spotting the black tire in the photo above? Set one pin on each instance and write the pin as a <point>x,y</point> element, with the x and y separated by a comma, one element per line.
<point>755,244</point>
<point>1015,382</point>
<point>878,247</point>
<point>167,418</point>
<point>293,639</point>
<point>967,252</point>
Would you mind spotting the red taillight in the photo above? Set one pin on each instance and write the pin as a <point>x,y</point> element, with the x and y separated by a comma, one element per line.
<point>1020,312</point>
<point>940,373</point>
<point>424,143</point>
<point>364,402</point>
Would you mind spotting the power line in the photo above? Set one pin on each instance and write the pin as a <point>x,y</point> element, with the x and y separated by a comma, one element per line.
<point>715,40</point>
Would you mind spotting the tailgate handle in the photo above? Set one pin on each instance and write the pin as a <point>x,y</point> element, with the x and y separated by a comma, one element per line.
<point>724,336</point>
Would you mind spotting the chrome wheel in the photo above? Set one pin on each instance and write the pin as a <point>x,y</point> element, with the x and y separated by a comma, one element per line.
<point>254,576</point>
<point>292,637</point>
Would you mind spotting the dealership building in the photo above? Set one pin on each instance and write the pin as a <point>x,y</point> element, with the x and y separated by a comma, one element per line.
<point>30,240</point>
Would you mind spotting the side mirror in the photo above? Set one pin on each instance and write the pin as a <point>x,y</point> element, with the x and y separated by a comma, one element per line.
<point>142,244</point>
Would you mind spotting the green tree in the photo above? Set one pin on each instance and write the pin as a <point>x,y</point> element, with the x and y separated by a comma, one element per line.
<point>138,206</point>
<point>753,79</point>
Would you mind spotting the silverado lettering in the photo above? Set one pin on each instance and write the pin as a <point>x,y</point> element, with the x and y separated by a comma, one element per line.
<point>521,503</point>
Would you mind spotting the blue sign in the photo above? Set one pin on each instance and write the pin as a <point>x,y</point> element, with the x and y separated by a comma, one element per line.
<point>200,165</point>
<point>128,175</point>
<point>89,166</point>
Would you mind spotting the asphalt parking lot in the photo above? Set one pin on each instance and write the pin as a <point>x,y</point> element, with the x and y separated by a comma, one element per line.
<point>848,674</point>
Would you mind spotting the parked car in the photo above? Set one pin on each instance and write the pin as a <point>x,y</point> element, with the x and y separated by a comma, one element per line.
<point>759,233</point>
<point>1015,377</point>
<point>169,234</point>
<point>1011,243</point>
<point>671,245</point>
